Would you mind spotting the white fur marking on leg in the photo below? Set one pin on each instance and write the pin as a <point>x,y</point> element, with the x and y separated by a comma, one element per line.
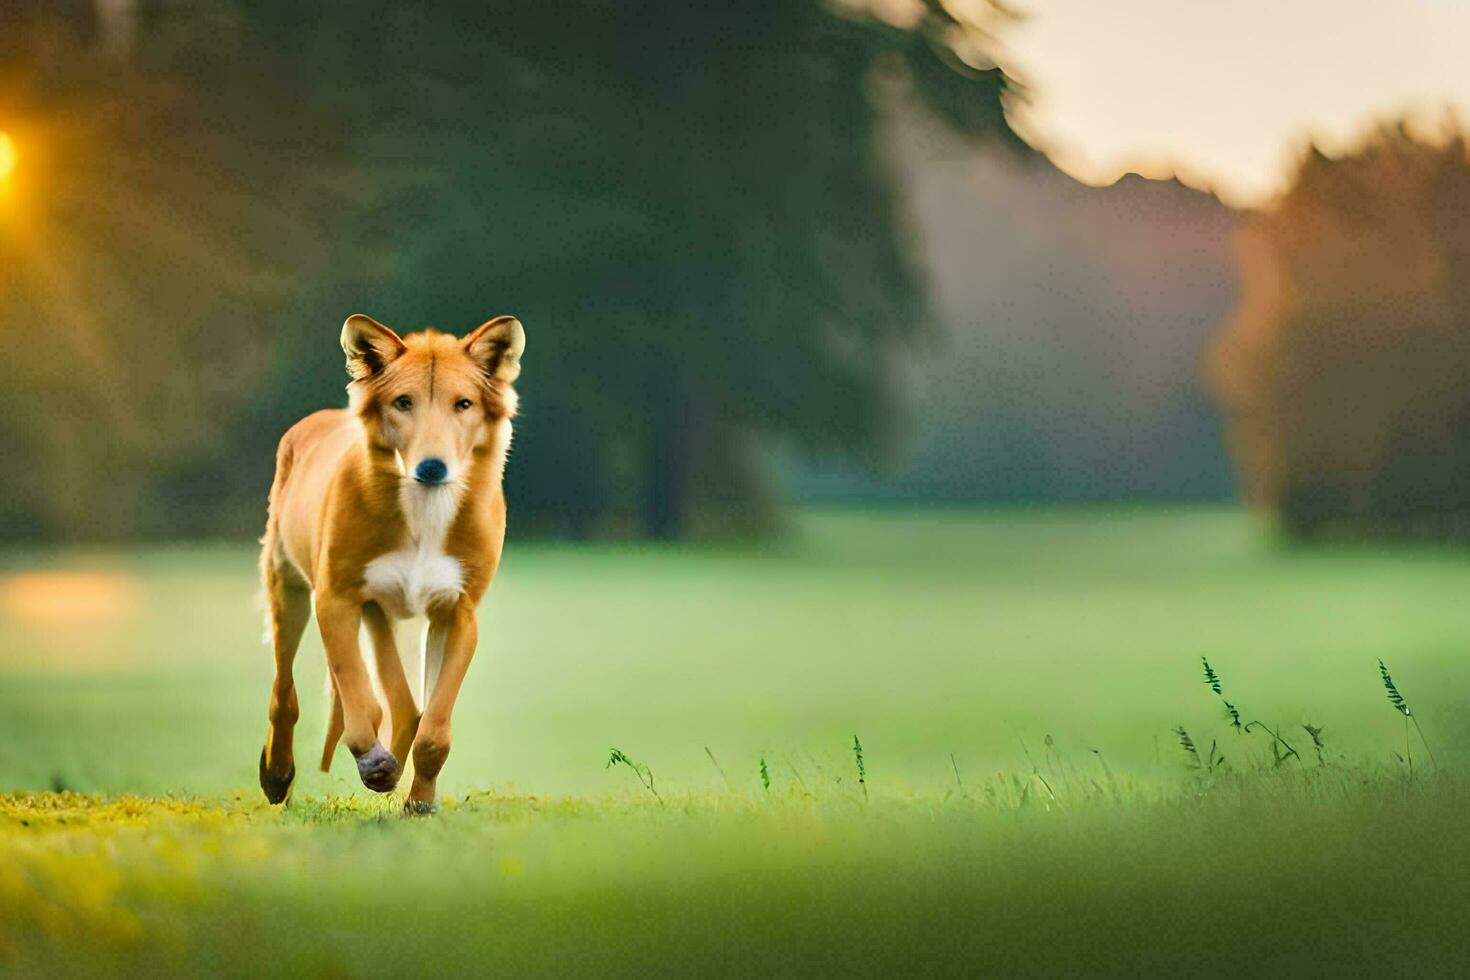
<point>435,640</point>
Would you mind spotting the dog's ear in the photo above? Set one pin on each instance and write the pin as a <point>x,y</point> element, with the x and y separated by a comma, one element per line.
<point>369,346</point>
<point>497,347</point>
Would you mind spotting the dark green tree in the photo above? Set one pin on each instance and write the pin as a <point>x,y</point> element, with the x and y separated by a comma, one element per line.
<point>688,205</point>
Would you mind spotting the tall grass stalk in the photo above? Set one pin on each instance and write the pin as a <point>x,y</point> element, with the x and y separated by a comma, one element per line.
<point>1402,706</point>
<point>1315,731</point>
<point>1108,774</point>
<point>1036,771</point>
<point>1187,744</point>
<point>645,775</point>
<point>1278,743</point>
<point>719,768</point>
<point>1212,680</point>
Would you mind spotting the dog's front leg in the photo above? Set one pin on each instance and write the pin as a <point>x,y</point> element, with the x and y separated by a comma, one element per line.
<point>361,713</point>
<point>431,745</point>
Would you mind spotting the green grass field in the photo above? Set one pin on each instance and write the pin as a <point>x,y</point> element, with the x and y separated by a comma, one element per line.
<point>1014,677</point>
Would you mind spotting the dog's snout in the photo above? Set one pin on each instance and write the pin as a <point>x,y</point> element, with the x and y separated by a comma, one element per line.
<point>430,471</point>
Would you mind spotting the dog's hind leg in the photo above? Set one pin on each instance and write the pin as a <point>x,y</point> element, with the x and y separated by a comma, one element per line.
<point>335,726</point>
<point>403,714</point>
<point>288,601</point>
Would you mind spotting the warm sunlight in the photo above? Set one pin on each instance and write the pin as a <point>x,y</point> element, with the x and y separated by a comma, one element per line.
<point>52,599</point>
<point>7,156</point>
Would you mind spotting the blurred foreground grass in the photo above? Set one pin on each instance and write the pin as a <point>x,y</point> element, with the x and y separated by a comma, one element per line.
<point>1056,648</point>
<point>1309,873</point>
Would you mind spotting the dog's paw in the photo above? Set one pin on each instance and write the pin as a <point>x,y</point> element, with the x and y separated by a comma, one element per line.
<point>378,769</point>
<point>420,808</point>
<point>276,788</point>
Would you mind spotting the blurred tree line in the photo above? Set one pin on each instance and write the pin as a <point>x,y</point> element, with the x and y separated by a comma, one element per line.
<point>686,203</point>
<point>1343,370</point>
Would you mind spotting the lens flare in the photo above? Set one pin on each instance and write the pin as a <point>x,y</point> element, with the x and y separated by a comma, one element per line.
<point>7,156</point>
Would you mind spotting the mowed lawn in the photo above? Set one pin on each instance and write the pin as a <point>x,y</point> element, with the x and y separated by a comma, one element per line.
<point>1014,676</point>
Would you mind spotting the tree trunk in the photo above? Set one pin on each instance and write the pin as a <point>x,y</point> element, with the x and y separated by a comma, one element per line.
<point>665,500</point>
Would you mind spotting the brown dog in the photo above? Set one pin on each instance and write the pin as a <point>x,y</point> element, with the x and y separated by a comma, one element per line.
<point>391,509</point>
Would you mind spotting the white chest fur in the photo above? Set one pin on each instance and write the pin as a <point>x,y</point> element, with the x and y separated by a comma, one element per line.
<point>419,576</point>
<point>411,581</point>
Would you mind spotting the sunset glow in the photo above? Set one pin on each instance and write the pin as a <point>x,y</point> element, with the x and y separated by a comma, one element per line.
<point>1227,96</point>
<point>8,156</point>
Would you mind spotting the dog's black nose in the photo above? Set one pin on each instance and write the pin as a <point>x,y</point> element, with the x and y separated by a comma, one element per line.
<point>431,471</point>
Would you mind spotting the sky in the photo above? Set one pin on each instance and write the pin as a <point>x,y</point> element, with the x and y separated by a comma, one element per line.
<point>1225,93</point>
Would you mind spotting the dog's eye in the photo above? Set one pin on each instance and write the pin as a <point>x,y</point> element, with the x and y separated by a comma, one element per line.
<point>403,403</point>
<point>463,405</point>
